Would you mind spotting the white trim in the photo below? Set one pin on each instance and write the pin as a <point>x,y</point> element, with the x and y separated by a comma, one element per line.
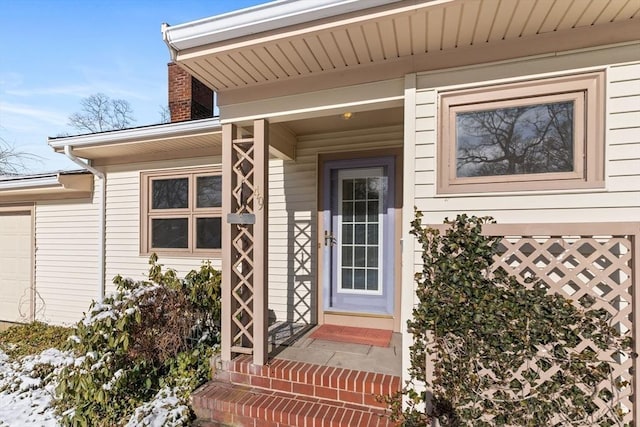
<point>19,183</point>
<point>45,181</point>
<point>265,17</point>
<point>408,243</point>
<point>136,134</point>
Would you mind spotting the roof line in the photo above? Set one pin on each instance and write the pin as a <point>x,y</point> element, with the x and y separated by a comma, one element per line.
<point>257,19</point>
<point>139,133</point>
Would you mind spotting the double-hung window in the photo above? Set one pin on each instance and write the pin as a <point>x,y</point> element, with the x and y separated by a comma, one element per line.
<point>181,212</point>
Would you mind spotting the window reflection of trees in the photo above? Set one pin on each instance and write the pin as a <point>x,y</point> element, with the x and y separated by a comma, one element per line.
<point>170,193</point>
<point>518,140</point>
<point>209,191</point>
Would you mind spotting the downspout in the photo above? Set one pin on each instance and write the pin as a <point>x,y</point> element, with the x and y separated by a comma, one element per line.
<point>68,151</point>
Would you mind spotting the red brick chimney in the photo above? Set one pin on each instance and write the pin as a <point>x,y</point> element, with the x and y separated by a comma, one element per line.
<point>189,99</point>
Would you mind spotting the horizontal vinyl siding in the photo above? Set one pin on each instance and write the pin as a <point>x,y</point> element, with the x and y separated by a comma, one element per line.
<point>618,201</point>
<point>293,218</point>
<point>123,222</point>
<point>66,261</point>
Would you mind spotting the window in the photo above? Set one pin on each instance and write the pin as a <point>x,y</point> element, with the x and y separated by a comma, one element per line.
<point>538,135</point>
<point>181,212</point>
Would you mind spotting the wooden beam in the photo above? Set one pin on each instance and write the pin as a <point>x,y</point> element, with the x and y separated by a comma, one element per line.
<point>282,142</point>
<point>260,248</point>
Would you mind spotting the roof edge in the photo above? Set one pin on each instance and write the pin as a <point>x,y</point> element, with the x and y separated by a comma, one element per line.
<point>132,134</point>
<point>257,19</point>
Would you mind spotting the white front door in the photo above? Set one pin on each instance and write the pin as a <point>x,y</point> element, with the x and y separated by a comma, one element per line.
<point>359,237</point>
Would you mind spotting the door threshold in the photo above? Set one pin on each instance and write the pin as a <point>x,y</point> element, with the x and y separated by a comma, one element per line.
<point>359,320</point>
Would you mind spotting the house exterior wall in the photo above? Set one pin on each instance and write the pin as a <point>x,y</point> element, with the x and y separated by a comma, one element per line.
<point>619,200</point>
<point>66,258</point>
<point>122,251</point>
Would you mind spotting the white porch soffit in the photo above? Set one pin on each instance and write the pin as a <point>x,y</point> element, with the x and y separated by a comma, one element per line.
<point>158,142</point>
<point>59,185</point>
<point>288,39</point>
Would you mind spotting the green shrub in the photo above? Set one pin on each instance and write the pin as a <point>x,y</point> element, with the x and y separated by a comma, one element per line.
<point>481,327</point>
<point>32,338</point>
<point>147,336</point>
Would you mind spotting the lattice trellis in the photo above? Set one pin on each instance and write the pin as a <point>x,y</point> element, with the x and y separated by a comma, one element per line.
<point>244,276</point>
<point>595,272</point>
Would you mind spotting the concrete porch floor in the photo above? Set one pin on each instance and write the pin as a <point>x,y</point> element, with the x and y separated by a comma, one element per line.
<point>291,341</point>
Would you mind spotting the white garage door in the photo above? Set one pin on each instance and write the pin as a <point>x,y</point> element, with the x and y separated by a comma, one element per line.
<point>15,267</point>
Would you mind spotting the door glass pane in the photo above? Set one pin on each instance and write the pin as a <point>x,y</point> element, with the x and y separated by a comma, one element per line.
<point>359,279</point>
<point>209,190</point>
<point>347,256</point>
<point>372,234</point>
<point>347,233</point>
<point>170,193</point>
<point>208,233</point>
<point>372,280</point>
<point>361,211</point>
<point>170,233</point>
<point>347,278</point>
<point>347,210</point>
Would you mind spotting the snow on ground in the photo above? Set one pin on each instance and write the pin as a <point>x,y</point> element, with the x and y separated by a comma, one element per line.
<point>25,399</point>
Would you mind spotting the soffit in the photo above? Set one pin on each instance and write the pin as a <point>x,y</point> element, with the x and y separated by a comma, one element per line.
<point>385,34</point>
<point>209,143</point>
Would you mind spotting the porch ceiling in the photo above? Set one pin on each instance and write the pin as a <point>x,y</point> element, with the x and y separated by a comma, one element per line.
<point>404,34</point>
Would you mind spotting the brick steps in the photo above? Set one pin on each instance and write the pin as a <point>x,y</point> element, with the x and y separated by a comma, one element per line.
<point>220,403</point>
<point>293,394</point>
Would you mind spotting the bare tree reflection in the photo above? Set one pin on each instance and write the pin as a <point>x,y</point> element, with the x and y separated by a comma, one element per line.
<point>518,140</point>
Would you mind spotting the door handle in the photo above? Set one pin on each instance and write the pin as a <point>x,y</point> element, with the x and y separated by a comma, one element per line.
<point>329,239</point>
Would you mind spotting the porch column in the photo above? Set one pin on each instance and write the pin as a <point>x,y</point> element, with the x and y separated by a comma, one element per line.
<point>244,237</point>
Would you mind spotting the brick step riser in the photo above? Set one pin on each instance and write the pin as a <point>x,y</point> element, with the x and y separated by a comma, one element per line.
<point>226,404</point>
<point>344,385</point>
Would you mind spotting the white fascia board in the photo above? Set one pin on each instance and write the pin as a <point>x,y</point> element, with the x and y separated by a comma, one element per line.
<point>257,19</point>
<point>26,182</point>
<point>136,134</point>
<point>39,181</point>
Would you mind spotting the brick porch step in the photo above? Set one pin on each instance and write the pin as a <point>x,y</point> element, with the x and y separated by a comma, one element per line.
<point>293,394</point>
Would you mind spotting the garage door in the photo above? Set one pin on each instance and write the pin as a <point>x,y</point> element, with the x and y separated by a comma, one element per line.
<point>15,267</point>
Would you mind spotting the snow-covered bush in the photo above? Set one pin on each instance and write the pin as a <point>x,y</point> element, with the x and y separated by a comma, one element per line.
<point>148,336</point>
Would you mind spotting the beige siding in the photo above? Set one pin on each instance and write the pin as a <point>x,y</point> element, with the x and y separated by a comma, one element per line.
<point>66,262</point>
<point>618,201</point>
<point>292,218</point>
<point>123,222</point>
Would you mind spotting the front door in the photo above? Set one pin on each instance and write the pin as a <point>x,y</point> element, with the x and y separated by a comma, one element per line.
<point>358,239</point>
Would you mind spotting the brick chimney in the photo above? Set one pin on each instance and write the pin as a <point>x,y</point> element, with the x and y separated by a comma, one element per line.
<point>189,99</point>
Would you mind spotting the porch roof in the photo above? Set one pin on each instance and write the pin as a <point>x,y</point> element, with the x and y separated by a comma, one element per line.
<point>328,43</point>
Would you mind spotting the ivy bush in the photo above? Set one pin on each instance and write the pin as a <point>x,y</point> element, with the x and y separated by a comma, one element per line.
<point>148,336</point>
<point>31,338</point>
<point>481,328</point>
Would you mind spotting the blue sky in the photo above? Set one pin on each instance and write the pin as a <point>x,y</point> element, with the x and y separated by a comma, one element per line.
<point>53,53</point>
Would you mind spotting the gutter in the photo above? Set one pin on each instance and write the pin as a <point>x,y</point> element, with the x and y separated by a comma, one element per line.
<point>257,19</point>
<point>68,151</point>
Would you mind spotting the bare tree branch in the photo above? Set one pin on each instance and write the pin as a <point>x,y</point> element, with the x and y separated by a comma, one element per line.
<point>100,113</point>
<point>12,161</point>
